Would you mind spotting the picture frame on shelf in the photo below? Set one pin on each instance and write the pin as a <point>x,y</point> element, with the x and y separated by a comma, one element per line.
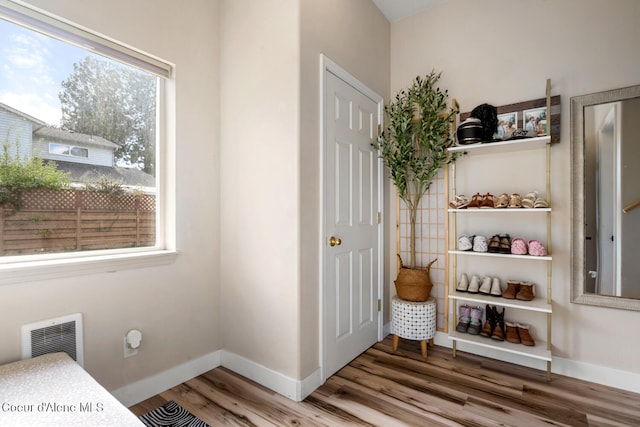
<point>535,120</point>
<point>507,123</point>
<point>553,116</point>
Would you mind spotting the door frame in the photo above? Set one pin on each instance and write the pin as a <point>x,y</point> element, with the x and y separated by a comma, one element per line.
<point>327,65</point>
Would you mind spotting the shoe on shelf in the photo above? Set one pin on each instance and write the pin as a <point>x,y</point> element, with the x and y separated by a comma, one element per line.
<point>540,202</point>
<point>525,337</point>
<point>505,244</point>
<point>496,287</point>
<point>474,285</point>
<point>512,332</point>
<point>513,286</point>
<point>536,248</point>
<point>459,202</point>
<point>519,246</point>
<point>498,331</point>
<point>485,288</point>
<point>476,321</point>
<point>494,244</point>
<point>502,201</point>
<point>487,201</point>
<point>475,201</point>
<point>480,244</point>
<point>464,318</point>
<point>465,243</point>
<point>515,201</point>
<point>529,200</point>
<point>463,284</point>
<point>526,292</point>
<point>490,322</point>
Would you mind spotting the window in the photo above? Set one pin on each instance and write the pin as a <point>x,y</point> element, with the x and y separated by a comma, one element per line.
<point>58,202</point>
<point>68,150</point>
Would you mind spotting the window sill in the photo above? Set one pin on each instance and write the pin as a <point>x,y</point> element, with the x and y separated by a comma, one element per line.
<point>29,271</point>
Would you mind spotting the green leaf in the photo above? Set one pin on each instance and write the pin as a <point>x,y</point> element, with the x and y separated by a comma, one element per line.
<point>414,143</point>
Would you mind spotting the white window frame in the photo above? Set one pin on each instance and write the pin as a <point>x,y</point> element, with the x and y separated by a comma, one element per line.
<point>69,150</point>
<point>23,268</point>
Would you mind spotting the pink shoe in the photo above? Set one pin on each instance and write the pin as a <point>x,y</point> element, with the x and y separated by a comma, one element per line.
<point>518,246</point>
<point>536,248</point>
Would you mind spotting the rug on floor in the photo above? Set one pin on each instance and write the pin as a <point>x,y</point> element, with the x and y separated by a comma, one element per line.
<point>171,415</point>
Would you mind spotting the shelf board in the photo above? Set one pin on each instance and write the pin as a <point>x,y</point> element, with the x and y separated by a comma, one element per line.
<point>537,304</point>
<point>505,210</point>
<point>539,351</point>
<point>510,256</point>
<point>502,146</point>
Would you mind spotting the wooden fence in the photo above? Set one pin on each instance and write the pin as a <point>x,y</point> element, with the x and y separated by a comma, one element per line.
<point>76,220</point>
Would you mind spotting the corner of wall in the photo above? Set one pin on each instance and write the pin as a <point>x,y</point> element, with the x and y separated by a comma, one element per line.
<point>293,389</point>
<point>140,390</point>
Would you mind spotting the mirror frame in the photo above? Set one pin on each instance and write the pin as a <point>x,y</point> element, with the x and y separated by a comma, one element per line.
<point>578,104</point>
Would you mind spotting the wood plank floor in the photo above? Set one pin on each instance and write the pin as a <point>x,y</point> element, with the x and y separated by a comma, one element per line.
<point>382,388</point>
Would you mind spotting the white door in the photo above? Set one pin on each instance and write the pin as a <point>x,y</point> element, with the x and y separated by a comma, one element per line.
<point>352,233</point>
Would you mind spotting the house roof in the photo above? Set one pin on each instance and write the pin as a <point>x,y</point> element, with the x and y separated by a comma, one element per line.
<point>74,137</point>
<point>80,172</point>
<point>21,114</point>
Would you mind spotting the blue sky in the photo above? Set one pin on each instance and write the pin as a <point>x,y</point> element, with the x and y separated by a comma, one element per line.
<point>32,68</point>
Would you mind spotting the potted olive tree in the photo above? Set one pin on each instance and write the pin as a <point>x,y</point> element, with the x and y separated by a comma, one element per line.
<point>414,147</point>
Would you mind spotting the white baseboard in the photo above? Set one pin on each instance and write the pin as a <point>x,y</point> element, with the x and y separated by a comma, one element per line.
<point>297,390</point>
<point>624,380</point>
<point>293,389</point>
<point>140,390</point>
<point>386,329</point>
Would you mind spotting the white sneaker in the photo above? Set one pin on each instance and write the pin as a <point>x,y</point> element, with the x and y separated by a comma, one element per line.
<point>480,244</point>
<point>496,288</point>
<point>474,284</point>
<point>465,243</point>
<point>463,285</point>
<point>485,288</point>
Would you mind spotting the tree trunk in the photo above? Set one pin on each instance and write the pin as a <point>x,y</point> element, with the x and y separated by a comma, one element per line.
<point>412,235</point>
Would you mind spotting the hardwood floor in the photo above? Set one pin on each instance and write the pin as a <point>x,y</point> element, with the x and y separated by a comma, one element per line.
<point>382,388</point>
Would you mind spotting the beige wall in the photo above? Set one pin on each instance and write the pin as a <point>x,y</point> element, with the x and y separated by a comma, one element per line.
<point>356,36</point>
<point>500,52</point>
<point>270,59</point>
<point>175,306</point>
<point>260,237</point>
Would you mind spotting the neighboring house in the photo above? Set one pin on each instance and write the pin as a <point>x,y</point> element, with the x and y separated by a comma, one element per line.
<point>84,157</point>
<point>16,129</point>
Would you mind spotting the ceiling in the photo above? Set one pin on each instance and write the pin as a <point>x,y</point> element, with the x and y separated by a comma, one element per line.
<point>396,10</point>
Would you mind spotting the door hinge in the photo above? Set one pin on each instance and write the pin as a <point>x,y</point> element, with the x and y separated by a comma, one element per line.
<point>379,217</point>
<point>379,130</point>
<point>379,304</point>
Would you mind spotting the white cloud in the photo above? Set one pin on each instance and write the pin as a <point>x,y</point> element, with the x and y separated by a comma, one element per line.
<point>28,81</point>
<point>27,52</point>
<point>31,104</point>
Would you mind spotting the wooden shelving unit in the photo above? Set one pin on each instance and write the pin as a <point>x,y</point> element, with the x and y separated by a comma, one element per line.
<point>541,305</point>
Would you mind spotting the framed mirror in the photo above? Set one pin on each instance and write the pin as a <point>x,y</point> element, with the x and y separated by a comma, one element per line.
<point>605,152</point>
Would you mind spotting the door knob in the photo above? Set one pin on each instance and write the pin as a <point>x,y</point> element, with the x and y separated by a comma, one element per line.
<point>334,241</point>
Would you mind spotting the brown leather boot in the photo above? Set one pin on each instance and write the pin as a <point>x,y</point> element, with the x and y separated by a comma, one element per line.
<point>512,333</point>
<point>526,292</point>
<point>512,289</point>
<point>489,323</point>
<point>525,337</point>
<point>498,331</point>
